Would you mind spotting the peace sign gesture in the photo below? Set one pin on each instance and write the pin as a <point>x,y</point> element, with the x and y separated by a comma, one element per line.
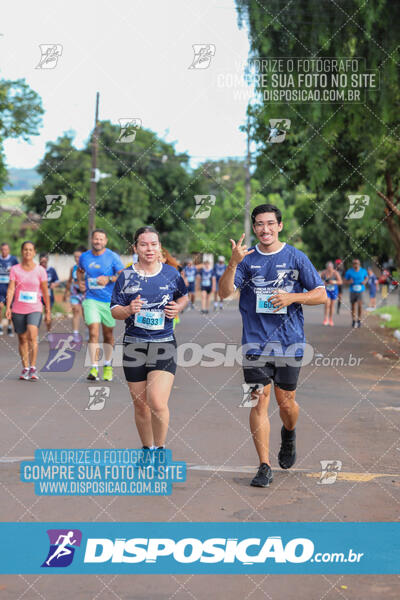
<point>239,251</point>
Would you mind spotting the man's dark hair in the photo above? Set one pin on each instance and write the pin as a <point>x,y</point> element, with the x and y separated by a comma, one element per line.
<point>266,208</point>
<point>99,231</point>
<point>80,249</point>
<point>43,255</point>
<point>145,229</point>
<point>5,244</point>
<point>27,242</point>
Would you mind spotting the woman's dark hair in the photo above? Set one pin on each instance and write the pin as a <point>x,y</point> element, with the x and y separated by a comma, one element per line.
<point>145,229</point>
<point>27,242</point>
<point>43,255</point>
<point>266,208</point>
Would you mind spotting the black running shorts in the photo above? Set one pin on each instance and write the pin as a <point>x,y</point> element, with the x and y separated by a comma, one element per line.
<point>140,358</point>
<point>283,375</point>
<point>21,321</point>
<point>355,297</point>
<point>206,288</point>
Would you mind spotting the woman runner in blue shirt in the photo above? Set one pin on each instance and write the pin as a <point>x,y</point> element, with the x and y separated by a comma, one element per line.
<point>148,295</point>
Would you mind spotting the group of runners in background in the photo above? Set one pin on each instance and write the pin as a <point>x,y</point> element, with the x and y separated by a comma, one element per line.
<point>359,279</point>
<point>90,284</point>
<point>151,292</point>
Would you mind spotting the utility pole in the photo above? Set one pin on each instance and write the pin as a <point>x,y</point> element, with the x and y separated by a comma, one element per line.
<point>247,229</point>
<point>93,182</point>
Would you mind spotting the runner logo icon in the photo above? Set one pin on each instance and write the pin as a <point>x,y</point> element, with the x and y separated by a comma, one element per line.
<point>62,547</point>
<point>62,352</point>
<point>358,203</point>
<point>54,206</point>
<point>278,129</point>
<point>203,54</point>
<point>248,389</point>
<point>97,397</point>
<point>203,206</point>
<point>329,471</point>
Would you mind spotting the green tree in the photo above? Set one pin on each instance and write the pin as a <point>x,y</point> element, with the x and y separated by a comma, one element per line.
<point>148,183</point>
<point>20,116</point>
<point>334,150</point>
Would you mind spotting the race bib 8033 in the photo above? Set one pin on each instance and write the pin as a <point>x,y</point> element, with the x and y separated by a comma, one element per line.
<point>150,319</point>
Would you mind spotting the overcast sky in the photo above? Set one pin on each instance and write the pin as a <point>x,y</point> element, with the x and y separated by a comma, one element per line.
<point>137,54</point>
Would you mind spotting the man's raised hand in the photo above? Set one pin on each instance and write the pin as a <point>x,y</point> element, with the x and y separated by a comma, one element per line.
<point>239,251</point>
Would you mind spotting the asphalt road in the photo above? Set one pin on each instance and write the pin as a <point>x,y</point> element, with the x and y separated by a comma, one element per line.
<point>349,398</point>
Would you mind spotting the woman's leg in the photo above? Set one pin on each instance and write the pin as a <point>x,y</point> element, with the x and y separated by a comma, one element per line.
<point>142,412</point>
<point>203,300</point>
<point>326,311</point>
<point>331,307</point>
<point>32,332</point>
<point>159,386</point>
<point>208,300</point>
<point>76,316</point>
<point>23,348</point>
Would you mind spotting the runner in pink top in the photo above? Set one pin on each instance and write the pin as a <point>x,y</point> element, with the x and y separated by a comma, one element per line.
<point>28,283</point>
<point>27,297</point>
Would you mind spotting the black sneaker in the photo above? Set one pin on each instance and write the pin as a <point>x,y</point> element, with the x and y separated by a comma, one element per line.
<point>358,324</point>
<point>264,476</point>
<point>10,331</point>
<point>353,324</point>
<point>287,453</point>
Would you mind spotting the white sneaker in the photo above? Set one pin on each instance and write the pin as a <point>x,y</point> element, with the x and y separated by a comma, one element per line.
<point>33,374</point>
<point>24,374</point>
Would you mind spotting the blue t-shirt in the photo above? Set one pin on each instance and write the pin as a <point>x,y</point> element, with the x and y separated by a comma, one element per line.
<point>107,263</point>
<point>5,266</point>
<point>206,277</point>
<point>190,273</point>
<point>260,275</point>
<point>372,279</point>
<point>150,324</point>
<point>52,277</point>
<point>358,278</point>
<point>219,270</point>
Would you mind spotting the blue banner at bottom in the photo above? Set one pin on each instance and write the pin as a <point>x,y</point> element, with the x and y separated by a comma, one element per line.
<point>207,548</point>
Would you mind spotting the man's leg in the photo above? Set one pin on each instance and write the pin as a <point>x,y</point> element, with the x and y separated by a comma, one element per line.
<point>289,412</point>
<point>260,426</point>
<point>359,307</point>
<point>108,337</point>
<point>288,407</point>
<point>353,311</point>
<point>94,330</point>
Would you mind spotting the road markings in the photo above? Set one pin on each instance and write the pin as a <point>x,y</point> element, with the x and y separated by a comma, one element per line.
<point>360,477</point>
<point>364,477</point>
<point>12,459</point>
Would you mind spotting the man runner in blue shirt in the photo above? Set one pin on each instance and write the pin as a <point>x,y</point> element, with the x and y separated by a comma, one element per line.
<point>271,277</point>
<point>100,267</point>
<point>7,261</point>
<point>357,277</point>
